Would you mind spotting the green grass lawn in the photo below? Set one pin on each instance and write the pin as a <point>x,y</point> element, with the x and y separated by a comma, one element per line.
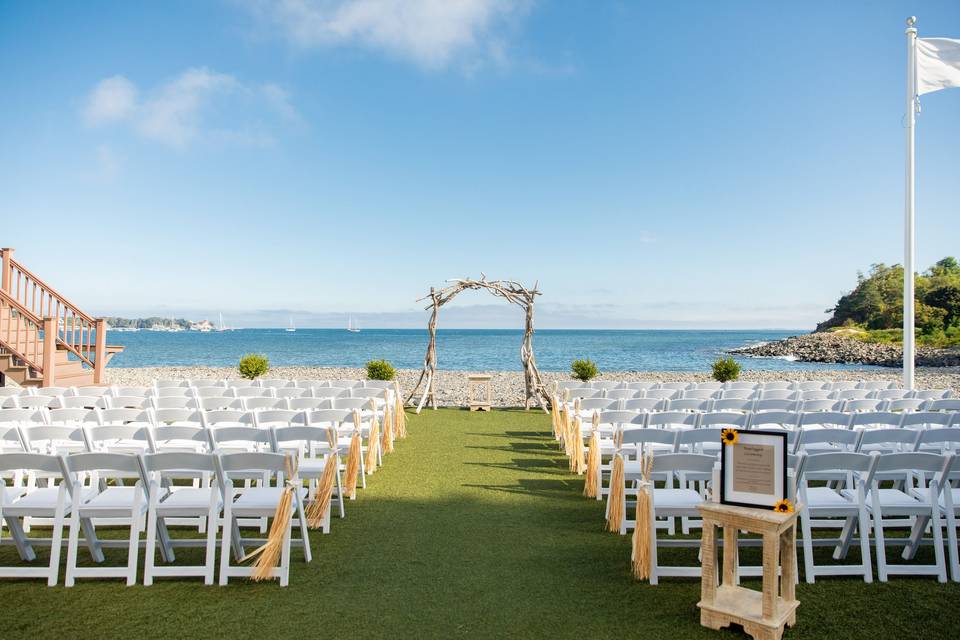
<point>474,528</point>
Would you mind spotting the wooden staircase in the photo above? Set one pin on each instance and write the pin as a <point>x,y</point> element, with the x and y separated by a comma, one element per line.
<point>45,340</point>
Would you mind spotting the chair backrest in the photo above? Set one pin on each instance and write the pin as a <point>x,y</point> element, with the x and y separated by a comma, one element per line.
<point>44,463</point>
<point>927,419</point>
<point>213,403</point>
<point>179,438</point>
<point>816,394</point>
<point>843,385</point>
<point>688,404</point>
<point>712,386</point>
<point>946,404</point>
<point>619,417</point>
<point>252,404</point>
<point>52,439</point>
<point>179,416</point>
<point>663,394</point>
<point>212,392</point>
<point>351,403</point>
<point>742,386</point>
<point>232,436</point>
<point>724,419</point>
<point>777,385</point>
<point>876,385</point>
<point>776,405</point>
<point>123,416</point>
<point>876,420</point>
<point>644,404</point>
<point>640,436</point>
<point>912,462</point>
<point>177,461</point>
<point>379,384</point>
<point>330,392</point>
<point>174,392</point>
<point>697,394</point>
<point>118,438</point>
<point>307,404</point>
<point>641,385</point>
<point>275,383</point>
<point>584,392</point>
<point>368,392</point>
<point>622,394</point>
<point>36,402</point>
<point>104,463</point>
<point>329,416</point>
<point>695,466</point>
<point>227,417</point>
<point>842,438</point>
<point>346,384</point>
<point>280,418</point>
<point>291,392</point>
<point>586,405</point>
<point>71,416</point>
<point>867,404</point>
<point>676,386</point>
<point>945,439</point>
<point>891,394</point>
<point>82,402</point>
<point>775,420</point>
<point>129,402</point>
<point>905,404</point>
<point>837,462</point>
<point>778,394</point>
<point>240,463</point>
<point>852,394</point>
<point>670,419</point>
<point>174,402</point>
<point>931,394</point>
<point>827,419</point>
<point>898,439</point>
<point>732,404</point>
<point>693,437</point>
<point>252,392</point>
<point>306,434</point>
<point>239,383</point>
<point>737,394</point>
<point>811,385</point>
<point>170,383</point>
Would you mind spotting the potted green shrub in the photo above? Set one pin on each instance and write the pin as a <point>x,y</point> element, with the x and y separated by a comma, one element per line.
<point>584,369</point>
<point>725,370</point>
<point>253,365</point>
<point>380,370</point>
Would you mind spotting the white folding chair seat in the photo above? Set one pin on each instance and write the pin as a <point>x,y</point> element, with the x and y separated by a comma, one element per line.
<point>257,502</point>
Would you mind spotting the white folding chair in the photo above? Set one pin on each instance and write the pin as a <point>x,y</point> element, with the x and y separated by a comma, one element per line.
<point>257,502</point>
<point>127,504</point>
<point>846,500</point>
<point>316,448</point>
<point>168,503</point>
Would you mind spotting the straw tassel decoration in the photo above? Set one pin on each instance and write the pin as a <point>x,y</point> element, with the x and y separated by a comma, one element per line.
<point>399,416</point>
<point>268,554</point>
<point>555,416</point>
<point>353,458</point>
<point>386,440</point>
<point>317,510</point>
<point>641,534</point>
<point>615,513</point>
<point>591,485</point>
<point>578,463</point>
<point>565,428</point>
<point>374,440</point>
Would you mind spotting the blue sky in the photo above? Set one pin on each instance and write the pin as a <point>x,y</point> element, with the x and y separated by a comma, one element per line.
<point>673,164</point>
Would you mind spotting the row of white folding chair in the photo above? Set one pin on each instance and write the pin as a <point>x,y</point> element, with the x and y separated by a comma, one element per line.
<point>744,394</point>
<point>72,501</point>
<point>786,385</point>
<point>247,403</point>
<point>273,383</point>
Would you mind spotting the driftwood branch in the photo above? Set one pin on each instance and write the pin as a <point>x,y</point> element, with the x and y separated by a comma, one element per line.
<point>511,291</point>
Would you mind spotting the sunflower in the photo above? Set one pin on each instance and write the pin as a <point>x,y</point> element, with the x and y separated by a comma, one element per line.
<point>729,436</point>
<point>784,506</point>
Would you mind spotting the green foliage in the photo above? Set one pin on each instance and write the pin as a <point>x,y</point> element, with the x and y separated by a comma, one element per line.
<point>726,369</point>
<point>380,370</point>
<point>584,370</point>
<point>876,304</point>
<point>253,365</point>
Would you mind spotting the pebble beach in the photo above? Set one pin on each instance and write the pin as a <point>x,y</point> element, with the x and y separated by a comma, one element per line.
<point>451,386</point>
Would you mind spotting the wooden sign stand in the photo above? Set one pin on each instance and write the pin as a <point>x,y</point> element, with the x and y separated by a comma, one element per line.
<point>762,615</point>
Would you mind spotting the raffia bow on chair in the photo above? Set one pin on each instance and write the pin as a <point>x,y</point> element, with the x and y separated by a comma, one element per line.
<point>386,439</point>
<point>555,415</point>
<point>616,497</point>
<point>353,458</point>
<point>374,440</point>
<point>640,557</point>
<point>592,485</point>
<point>268,554</point>
<point>578,463</point>
<point>317,509</point>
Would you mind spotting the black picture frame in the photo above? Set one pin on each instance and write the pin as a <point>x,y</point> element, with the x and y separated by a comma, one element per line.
<point>725,452</point>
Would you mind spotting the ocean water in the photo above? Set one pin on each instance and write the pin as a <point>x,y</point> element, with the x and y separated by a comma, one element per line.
<point>457,349</point>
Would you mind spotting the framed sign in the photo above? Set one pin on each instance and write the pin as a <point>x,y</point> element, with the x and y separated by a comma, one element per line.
<point>753,468</point>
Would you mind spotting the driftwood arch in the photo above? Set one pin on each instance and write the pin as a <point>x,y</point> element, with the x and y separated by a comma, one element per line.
<point>512,292</point>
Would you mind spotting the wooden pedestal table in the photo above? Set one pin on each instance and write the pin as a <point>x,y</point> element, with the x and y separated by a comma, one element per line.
<point>761,614</point>
<point>480,382</point>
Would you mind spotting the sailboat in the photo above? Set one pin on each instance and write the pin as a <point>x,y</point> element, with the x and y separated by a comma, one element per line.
<point>291,328</point>
<point>221,327</point>
<point>351,328</point>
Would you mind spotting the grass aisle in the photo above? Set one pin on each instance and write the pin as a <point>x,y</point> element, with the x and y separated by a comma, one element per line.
<point>474,528</point>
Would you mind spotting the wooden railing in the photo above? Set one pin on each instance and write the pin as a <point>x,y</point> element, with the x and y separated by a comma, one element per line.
<point>40,304</point>
<point>20,332</point>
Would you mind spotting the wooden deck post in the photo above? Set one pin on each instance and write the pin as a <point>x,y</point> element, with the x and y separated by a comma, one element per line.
<point>6,271</point>
<point>49,352</point>
<point>100,350</point>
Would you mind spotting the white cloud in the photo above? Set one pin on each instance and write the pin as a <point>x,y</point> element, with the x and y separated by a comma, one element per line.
<point>112,99</point>
<point>182,110</point>
<point>431,33</point>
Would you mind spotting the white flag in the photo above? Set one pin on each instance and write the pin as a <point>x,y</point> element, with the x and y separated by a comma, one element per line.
<point>938,64</point>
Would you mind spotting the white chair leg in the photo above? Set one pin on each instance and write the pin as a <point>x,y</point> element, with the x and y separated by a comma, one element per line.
<point>133,549</point>
<point>72,542</point>
<point>809,571</point>
<point>225,542</point>
<point>880,544</point>
<point>56,540</point>
<point>151,547</point>
<point>938,544</point>
<point>285,554</point>
<point>211,555</point>
<point>301,516</point>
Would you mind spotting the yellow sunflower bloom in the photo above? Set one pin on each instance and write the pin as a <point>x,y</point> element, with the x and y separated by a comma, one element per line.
<point>784,506</point>
<point>729,436</point>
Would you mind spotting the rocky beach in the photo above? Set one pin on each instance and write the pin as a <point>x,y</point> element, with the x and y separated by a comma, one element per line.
<point>508,385</point>
<point>835,347</point>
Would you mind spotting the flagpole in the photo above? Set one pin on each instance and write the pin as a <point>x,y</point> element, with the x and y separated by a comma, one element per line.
<point>908,232</point>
